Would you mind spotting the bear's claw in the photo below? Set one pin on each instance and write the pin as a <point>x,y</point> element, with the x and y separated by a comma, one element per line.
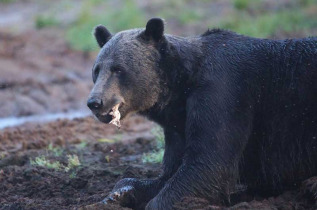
<point>123,195</point>
<point>309,188</point>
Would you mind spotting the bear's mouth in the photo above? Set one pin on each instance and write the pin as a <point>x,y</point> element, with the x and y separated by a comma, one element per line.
<point>112,116</point>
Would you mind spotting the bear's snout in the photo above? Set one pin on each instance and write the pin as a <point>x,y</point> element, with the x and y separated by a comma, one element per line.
<point>94,104</point>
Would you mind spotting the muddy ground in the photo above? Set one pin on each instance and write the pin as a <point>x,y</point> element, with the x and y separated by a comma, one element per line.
<point>40,74</point>
<point>106,155</point>
<point>24,185</point>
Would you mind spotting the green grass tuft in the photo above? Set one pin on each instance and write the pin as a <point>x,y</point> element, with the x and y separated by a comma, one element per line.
<point>42,161</point>
<point>157,155</point>
<point>72,162</point>
<point>43,21</point>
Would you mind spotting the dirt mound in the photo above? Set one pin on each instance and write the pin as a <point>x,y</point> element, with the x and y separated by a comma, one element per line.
<point>39,73</point>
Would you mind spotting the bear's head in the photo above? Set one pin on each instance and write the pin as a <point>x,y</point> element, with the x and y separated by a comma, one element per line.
<point>126,72</point>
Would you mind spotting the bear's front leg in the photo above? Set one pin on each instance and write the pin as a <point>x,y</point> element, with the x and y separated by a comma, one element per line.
<point>217,129</point>
<point>136,193</point>
<point>198,178</point>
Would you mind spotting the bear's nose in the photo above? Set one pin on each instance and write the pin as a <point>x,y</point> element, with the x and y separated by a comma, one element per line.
<point>94,103</point>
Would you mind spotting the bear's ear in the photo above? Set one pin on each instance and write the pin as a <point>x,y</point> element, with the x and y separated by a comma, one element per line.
<point>102,35</point>
<point>154,29</point>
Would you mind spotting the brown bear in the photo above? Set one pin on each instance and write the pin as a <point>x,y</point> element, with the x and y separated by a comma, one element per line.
<point>234,109</point>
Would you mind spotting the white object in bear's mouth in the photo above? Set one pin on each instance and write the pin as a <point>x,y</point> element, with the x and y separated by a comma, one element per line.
<point>115,116</point>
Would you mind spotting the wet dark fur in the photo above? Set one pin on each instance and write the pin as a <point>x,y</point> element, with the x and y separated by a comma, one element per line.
<point>234,109</point>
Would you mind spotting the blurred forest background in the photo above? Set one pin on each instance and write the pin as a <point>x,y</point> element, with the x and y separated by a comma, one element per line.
<point>47,50</point>
<point>259,18</point>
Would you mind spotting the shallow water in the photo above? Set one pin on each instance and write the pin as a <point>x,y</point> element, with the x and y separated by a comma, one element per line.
<point>15,121</point>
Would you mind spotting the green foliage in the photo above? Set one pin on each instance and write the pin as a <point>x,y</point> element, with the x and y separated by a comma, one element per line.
<point>270,24</point>
<point>7,1</point>
<point>105,140</point>
<point>255,5</point>
<point>43,21</point>
<point>307,2</point>
<point>251,17</point>
<point>57,151</point>
<point>3,154</point>
<point>159,137</point>
<point>112,139</point>
<point>42,161</point>
<point>72,162</point>
<point>190,16</point>
<point>187,16</point>
<point>241,4</point>
<point>157,155</point>
<point>127,15</point>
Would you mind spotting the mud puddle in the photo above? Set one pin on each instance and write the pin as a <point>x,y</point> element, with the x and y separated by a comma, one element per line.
<point>15,121</point>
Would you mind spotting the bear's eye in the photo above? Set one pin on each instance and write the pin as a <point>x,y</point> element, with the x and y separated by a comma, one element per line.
<point>95,74</point>
<point>116,70</point>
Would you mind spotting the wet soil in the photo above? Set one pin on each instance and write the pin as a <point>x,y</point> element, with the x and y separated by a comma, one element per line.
<point>106,155</point>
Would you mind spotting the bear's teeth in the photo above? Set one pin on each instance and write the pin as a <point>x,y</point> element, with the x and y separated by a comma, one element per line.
<point>104,114</point>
